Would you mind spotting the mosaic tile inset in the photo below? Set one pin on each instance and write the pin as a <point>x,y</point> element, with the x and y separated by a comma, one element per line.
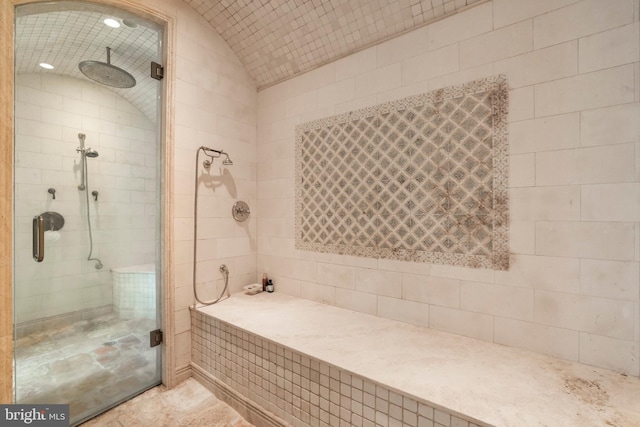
<point>419,179</point>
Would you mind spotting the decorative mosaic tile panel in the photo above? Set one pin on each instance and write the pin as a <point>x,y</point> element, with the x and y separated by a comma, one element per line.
<point>302,390</point>
<point>419,179</point>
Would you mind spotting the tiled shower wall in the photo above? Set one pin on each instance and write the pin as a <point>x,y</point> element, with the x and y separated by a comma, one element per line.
<point>215,106</point>
<point>573,285</point>
<point>50,112</point>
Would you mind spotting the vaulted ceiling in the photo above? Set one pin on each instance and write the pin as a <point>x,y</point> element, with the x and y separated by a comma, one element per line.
<point>274,39</point>
<point>278,39</point>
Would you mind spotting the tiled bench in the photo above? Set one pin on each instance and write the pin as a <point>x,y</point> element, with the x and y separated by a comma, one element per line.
<point>288,361</point>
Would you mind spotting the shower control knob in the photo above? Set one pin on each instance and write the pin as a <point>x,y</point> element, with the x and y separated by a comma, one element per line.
<point>240,211</point>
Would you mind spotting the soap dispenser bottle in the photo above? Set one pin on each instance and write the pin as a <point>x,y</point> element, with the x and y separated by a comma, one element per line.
<point>264,282</point>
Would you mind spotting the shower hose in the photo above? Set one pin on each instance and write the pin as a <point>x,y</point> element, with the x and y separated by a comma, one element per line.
<point>223,268</point>
<point>86,192</point>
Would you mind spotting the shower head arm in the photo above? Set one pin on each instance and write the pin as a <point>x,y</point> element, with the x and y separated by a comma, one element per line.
<point>214,154</point>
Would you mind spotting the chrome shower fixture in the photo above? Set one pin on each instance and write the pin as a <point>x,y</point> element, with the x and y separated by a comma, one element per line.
<point>214,154</point>
<point>91,153</point>
<point>107,74</point>
<point>84,153</point>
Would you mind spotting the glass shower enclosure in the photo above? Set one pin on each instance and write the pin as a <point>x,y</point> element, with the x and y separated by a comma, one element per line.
<point>86,206</point>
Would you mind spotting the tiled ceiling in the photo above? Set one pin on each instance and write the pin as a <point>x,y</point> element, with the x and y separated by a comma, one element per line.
<point>66,38</point>
<point>278,39</point>
<point>275,39</point>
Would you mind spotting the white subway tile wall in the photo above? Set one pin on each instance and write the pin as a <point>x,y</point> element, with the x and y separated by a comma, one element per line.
<point>215,106</point>
<point>302,390</point>
<point>573,284</point>
<point>51,111</point>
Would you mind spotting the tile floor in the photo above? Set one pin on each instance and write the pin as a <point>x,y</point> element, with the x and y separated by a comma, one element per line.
<point>188,404</point>
<point>88,364</point>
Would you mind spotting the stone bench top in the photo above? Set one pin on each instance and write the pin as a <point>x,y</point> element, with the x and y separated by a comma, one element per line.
<point>497,385</point>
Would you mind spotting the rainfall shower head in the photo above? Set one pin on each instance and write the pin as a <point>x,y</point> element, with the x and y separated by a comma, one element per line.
<point>107,74</point>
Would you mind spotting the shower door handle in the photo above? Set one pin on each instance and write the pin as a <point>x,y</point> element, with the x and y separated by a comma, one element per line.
<point>38,238</point>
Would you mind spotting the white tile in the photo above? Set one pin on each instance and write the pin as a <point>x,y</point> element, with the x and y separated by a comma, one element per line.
<point>379,282</point>
<point>556,342</point>
<point>23,110</point>
<point>542,65</point>
<point>460,322</point>
<point>499,44</point>
<point>540,272</point>
<point>607,164</point>
<point>270,112</point>
<point>289,287</point>
<point>431,290</point>
<point>38,129</point>
<point>610,353</point>
<point>610,279</point>
<point>522,237</point>
<point>610,48</point>
<point>316,292</point>
<point>507,12</point>
<point>460,77</point>
<point>610,202</point>
<point>637,162</point>
<point>581,19</point>
<point>356,64</point>
<point>545,203</point>
<point>337,275</point>
<point>356,104</point>
<point>611,125</point>
<point>403,92</point>
<point>462,273</point>
<point>404,311</point>
<point>545,134</point>
<point>402,47</point>
<point>608,317</point>
<point>465,25</point>
<point>600,240</point>
<point>521,104</point>
<point>522,170</point>
<point>357,301</point>
<point>404,266</point>
<point>586,91</point>
<point>341,91</point>
<point>498,300</point>
<point>314,79</point>
<point>304,103</point>
<point>37,97</point>
<point>432,64</point>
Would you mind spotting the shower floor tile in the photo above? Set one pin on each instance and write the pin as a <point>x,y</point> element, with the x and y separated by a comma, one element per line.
<point>88,364</point>
<point>188,404</point>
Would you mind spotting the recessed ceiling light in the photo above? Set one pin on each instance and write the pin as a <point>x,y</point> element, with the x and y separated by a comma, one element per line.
<point>112,23</point>
<point>129,23</point>
<point>46,66</point>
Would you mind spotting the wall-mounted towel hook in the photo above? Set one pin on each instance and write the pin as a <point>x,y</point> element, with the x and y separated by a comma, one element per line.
<point>52,191</point>
<point>94,193</point>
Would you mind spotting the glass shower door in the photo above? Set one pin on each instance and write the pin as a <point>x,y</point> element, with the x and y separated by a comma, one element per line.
<point>86,209</point>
